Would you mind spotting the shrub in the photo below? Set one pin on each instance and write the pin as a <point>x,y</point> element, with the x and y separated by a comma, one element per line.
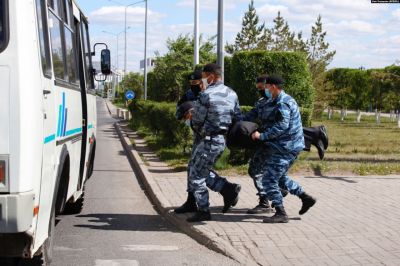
<point>160,119</point>
<point>246,66</point>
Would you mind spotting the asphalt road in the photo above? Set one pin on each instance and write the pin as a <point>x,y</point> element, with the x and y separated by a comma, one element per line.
<point>118,224</point>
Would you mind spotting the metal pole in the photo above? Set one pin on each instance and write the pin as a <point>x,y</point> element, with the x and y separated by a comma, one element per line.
<point>145,55</point>
<point>196,33</point>
<point>220,42</point>
<point>117,50</point>
<point>126,8</point>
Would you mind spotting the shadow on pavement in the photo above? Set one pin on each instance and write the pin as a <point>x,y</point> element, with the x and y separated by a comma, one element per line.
<point>125,222</point>
<point>338,178</point>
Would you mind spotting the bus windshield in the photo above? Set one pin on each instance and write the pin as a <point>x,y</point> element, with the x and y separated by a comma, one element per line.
<point>3,24</point>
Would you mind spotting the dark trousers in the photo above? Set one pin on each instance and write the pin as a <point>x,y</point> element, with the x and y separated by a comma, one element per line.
<point>311,136</point>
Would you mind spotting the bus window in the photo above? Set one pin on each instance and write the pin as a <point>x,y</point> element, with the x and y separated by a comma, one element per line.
<point>56,46</point>
<point>88,61</point>
<point>3,24</point>
<point>68,14</point>
<point>70,44</point>
<point>71,56</point>
<point>55,5</point>
<point>43,37</point>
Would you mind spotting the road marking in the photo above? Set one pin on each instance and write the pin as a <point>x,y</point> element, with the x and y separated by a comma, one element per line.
<point>116,263</point>
<point>59,248</point>
<point>149,248</point>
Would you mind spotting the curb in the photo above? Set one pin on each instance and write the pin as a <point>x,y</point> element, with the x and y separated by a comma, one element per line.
<point>214,243</point>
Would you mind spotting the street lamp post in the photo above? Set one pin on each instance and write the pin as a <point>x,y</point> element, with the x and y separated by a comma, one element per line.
<point>220,42</point>
<point>126,9</point>
<point>117,36</point>
<point>145,54</point>
<point>196,33</point>
<point>145,42</point>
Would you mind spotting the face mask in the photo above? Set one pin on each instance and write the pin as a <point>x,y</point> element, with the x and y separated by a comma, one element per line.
<point>205,82</point>
<point>195,89</point>
<point>187,122</point>
<point>267,93</point>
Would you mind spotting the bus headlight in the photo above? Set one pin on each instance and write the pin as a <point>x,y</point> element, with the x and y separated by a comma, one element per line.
<point>3,174</point>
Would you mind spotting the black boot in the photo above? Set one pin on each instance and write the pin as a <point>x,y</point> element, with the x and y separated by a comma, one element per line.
<point>230,192</point>
<point>188,206</point>
<point>308,202</point>
<point>280,216</point>
<point>284,192</point>
<point>320,147</point>
<point>323,134</point>
<point>262,207</point>
<point>200,216</point>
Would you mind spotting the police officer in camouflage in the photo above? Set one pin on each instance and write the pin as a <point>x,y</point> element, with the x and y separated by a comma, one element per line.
<point>214,112</point>
<point>316,136</point>
<point>282,134</point>
<point>184,112</point>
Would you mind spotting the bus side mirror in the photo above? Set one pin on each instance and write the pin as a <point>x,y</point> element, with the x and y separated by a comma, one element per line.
<point>105,62</point>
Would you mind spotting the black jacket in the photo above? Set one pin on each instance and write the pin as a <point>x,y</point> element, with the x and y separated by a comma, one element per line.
<point>239,135</point>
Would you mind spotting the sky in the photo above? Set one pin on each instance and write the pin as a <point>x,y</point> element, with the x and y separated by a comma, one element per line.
<point>363,34</point>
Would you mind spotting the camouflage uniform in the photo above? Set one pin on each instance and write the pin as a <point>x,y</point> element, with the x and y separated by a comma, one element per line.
<point>189,96</point>
<point>213,114</point>
<point>282,134</point>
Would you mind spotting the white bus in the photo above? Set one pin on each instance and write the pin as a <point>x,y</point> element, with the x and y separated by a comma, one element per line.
<point>47,120</point>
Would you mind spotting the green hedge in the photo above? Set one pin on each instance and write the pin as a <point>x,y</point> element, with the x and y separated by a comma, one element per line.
<point>246,66</point>
<point>160,119</point>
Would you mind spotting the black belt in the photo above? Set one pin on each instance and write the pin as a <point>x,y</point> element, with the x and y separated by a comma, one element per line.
<point>213,134</point>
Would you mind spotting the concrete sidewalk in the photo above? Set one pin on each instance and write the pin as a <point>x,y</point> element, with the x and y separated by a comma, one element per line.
<point>356,220</point>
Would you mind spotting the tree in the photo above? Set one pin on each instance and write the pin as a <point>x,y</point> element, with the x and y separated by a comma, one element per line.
<point>170,69</point>
<point>133,81</point>
<point>383,83</point>
<point>319,56</point>
<point>250,35</point>
<point>282,38</point>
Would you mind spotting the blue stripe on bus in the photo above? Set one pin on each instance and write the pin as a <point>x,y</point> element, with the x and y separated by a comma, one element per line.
<point>65,123</point>
<point>63,115</point>
<point>73,131</point>
<point>49,139</point>
<point>90,126</point>
<point>52,137</point>
<point>59,121</point>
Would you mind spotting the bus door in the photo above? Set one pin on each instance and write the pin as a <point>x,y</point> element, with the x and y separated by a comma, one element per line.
<point>47,88</point>
<point>49,159</point>
<point>81,68</point>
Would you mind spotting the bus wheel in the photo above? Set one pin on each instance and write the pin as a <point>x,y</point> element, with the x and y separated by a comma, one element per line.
<point>47,247</point>
<point>91,161</point>
<point>45,254</point>
<point>74,207</point>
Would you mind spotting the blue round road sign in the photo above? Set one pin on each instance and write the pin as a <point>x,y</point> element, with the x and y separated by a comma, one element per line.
<point>130,95</point>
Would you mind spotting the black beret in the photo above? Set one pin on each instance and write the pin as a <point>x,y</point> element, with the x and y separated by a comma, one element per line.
<point>196,75</point>
<point>261,79</point>
<point>183,108</point>
<point>212,68</point>
<point>274,79</point>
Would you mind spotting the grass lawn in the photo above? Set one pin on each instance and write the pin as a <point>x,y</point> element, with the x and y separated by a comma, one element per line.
<point>364,149</point>
<point>354,149</point>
